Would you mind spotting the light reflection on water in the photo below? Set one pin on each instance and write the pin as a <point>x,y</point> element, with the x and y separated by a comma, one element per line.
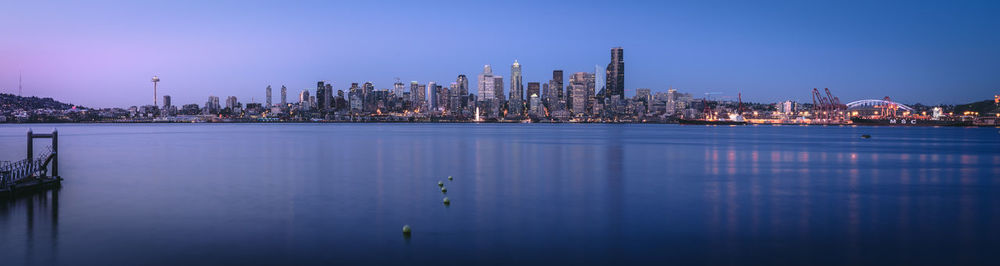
<point>523,194</point>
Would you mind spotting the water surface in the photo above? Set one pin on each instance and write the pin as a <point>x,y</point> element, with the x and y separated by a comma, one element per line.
<point>208,194</point>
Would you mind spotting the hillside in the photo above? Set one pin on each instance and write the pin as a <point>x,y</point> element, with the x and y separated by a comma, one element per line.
<point>14,102</point>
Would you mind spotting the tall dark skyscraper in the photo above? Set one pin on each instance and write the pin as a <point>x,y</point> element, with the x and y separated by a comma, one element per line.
<point>321,97</point>
<point>616,74</point>
<point>556,86</point>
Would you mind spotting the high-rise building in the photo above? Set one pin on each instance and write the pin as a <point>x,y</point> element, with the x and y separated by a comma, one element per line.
<point>498,88</point>
<point>284,96</point>
<point>556,85</point>
<point>533,89</point>
<point>268,90</point>
<point>304,100</point>
<point>463,90</point>
<point>329,96</point>
<point>166,102</point>
<point>516,85</point>
<point>432,97</point>
<point>487,85</point>
<point>398,88</point>
<point>645,96</point>
<point>579,83</point>
<point>212,105</point>
<point>232,104</point>
<point>321,97</point>
<point>615,72</point>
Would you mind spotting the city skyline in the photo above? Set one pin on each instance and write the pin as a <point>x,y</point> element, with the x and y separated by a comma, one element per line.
<point>105,56</point>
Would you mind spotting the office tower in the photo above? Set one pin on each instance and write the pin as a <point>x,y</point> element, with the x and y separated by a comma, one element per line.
<point>268,94</point>
<point>615,72</point>
<point>231,103</point>
<point>578,84</point>
<point>516,85</point>
<point>284,96</point>
<point>329,97</point>
<point>646,97</point>
<point>463,90</point>
<point>598,78</point>
<point>454,98</point>
<point>398,88</point>
<point>304,100</point>
<point>556,86</point>
<point>166,102</point>
<point>321,97</point>
<point>533,89</point>
<point>545,92</point>
<point>486,86</point>
<point>432,95</point>
<point>498,88</point>
<point>369,88</point>
<point>212,105</point>
<point>535,105</point>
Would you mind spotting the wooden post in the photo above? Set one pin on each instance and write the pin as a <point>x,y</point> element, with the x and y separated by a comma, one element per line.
<point>55,153</point>
<point>31,149</point>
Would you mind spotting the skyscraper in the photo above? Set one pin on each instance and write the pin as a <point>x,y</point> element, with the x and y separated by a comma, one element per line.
<point>321,97</point>
<point>498,88</point>
<point>329,96</point>
<point>533,89</point>
<point>516,86</point>
<point>432,96</point>
<point>398,88</point>
<point>463,90</point>
<point>486,86</point>
<point>284,96</point>
<point>304,100</point>
<point>579,83</point>
<point>414,93</point>
<point>166,102</point>
<point>616,75</point>
<point>268,96</point>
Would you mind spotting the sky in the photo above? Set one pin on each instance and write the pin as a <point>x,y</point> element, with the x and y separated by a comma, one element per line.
<point>103,53</point>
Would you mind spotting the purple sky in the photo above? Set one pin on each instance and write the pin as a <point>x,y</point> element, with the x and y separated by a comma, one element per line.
<point>103,53</point>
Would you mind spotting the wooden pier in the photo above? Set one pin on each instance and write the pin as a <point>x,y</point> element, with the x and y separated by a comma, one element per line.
<point>33,172</point>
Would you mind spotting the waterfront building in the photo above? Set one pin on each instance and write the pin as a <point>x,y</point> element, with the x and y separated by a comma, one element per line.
<point>535,105</point>
<point>616,74</point>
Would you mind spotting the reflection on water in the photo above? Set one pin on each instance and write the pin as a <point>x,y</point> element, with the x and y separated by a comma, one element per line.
<point>37,214</point>
<point>522,194</point>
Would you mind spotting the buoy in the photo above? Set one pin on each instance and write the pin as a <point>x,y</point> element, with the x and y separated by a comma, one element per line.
<point>406,229</point>
<point>440,184</point>
<point>446,201</point>
<point>866,136</point>
<point>444,189</point>
<point>449,178</point>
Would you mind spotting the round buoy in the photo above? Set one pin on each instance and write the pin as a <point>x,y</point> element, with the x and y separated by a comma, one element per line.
<point>449,178</point>
<point>440,184</point>
<point>406,229</point>
<point>444,189</point>
<point>446,201</point>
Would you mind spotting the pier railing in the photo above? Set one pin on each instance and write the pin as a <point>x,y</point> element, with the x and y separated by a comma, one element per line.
<point>13,172</point>
<point>33,165</point>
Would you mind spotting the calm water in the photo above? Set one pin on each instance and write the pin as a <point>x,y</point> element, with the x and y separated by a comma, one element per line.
<point>522,194</point>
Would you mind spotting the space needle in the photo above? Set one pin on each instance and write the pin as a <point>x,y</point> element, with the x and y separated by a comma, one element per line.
<point>155,80</point>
